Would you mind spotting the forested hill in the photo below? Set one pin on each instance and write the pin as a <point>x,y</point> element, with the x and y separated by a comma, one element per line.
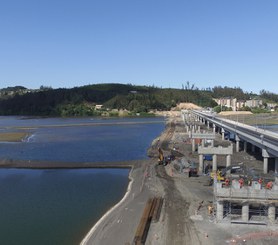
<point>81,101</point>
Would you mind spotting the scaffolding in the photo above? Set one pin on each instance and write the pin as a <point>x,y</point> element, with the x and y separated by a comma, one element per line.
<point>245,204</point>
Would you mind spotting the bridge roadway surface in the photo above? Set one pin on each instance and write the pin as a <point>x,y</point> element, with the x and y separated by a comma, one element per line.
<point>261,138</point>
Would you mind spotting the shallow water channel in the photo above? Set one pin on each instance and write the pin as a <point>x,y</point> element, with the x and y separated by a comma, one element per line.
<point>59,206</point>
<point>55,206</point>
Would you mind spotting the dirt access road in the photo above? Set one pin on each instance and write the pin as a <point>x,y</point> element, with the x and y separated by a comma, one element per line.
<point>176,226</point>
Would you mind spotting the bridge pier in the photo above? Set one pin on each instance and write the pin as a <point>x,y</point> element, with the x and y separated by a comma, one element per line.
<point>237,143</point>
<point>214,151</point>
<point>245,146</point>
<point>201,163</point>
<point>245,212</point>
<point>265,156</point>
<point>213,128</point>
<point>265,165</point>
<point>228,160</point>
<point>214,162</point>
<point>253,149</point>
<point>276,170</point>
<point>219,210</point>
<point>193,145</point>
<point>271,213</point>
<point>223,133</point>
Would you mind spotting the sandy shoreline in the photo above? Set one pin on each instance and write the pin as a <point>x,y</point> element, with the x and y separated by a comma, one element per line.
<point>10,163</point>
<point>112,222</point>
<point>102,219</point>
<point>118,224</point>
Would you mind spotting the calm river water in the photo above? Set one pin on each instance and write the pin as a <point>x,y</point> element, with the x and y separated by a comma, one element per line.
<point>60,206</point>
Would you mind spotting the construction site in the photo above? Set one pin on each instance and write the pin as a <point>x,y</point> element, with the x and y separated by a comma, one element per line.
<point>200,186</point>
<point>239,193</point>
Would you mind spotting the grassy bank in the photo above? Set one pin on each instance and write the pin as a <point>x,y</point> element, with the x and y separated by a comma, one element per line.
<point>255,119</point>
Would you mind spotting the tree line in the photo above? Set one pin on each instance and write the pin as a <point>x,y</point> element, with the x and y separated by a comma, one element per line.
<point>81,101</point>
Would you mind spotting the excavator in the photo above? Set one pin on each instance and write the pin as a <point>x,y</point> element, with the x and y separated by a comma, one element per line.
<point>221,174</point>
<point>161,159</point>
<point>164,160</point>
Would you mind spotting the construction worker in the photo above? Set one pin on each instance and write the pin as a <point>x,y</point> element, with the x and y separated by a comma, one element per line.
<point>210,209</point>
<point>269,185</point>
<point>241,182</point>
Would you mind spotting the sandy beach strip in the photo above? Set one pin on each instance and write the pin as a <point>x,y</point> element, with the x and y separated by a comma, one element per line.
<point>119,224</point>
<point>33,164</point>
<point>104,217</point>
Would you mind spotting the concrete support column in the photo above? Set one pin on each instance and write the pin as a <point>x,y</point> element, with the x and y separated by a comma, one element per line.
<point>199,129</point>
<point>213,128</point>
<point>253,148</point>
<point>271,213</point>
<point>212,143</point>
<point>214,162</point>
<point>245,212</point>
<point>265,155</point>
<point>228,162</point>
<point>265,165</point>
<point>201,163</point>
<point>237,146</point>
<point>219,211</point>
<point>276,165</point>
<point>237,142</point>
<point>276,170</point>
<point>223,133</point>
<point>203,142</point>
<point>208,124</point>
<point>193,145</point>
<point>245,146</point>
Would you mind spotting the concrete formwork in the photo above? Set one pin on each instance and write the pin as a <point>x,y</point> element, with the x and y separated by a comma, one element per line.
<point>214,151</point>
<point>246,197</point>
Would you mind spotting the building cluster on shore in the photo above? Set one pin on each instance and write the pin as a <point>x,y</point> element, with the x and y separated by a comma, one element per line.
<point>235,104</point>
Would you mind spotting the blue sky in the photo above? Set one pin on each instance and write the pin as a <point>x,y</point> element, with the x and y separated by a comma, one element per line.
<point>66,43</point>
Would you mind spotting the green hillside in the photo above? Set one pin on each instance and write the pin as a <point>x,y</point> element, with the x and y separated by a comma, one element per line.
<point>81,101</point>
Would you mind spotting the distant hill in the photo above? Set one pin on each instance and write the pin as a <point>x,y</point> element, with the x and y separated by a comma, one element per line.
<point>11,91</point>
<point>82,101</point>
<point>113,99</point>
